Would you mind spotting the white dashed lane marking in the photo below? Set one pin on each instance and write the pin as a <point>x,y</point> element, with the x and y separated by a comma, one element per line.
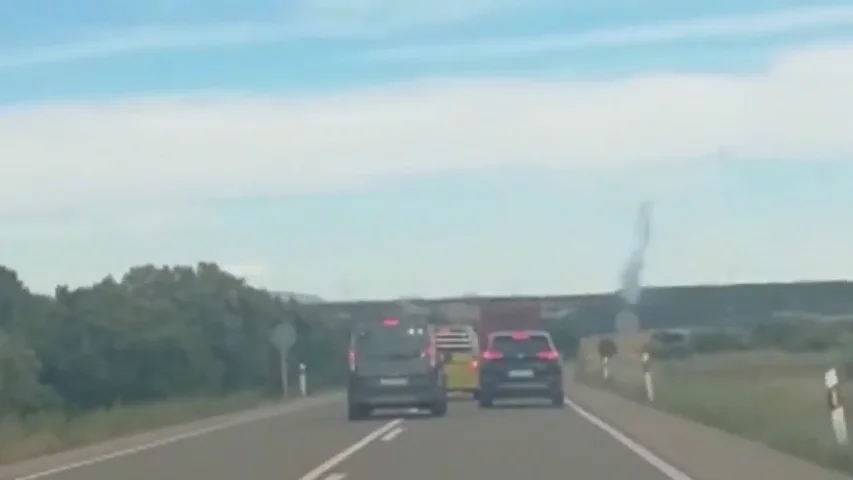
<point>392,434</point>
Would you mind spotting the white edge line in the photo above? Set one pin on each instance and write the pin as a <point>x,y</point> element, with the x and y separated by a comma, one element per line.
<point>332,462</point>
<point>159,443</point>
<point>336,476</point>
<point>392,434</point>
<point>662,465</point>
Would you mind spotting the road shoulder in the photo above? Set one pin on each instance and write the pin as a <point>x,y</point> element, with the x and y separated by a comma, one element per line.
<point>156,438</point>
<point>703,452</point>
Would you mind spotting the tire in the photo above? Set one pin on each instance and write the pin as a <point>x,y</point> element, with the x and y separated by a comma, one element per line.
<point>439,409</point>
<point>357,412</point>
<point>484,401</point>
<point>558,400</point>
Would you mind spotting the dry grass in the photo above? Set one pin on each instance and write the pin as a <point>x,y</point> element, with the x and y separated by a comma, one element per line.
<point>772,397</point>
<point>47,433</point>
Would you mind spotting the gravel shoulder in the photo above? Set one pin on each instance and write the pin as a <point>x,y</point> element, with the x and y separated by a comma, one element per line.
<point>703,452</point>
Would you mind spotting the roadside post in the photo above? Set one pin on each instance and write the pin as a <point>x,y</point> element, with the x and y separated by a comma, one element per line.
<point>647,377</point>
<point>836,408</point>
<point>283,336</point>
<point>605,367</point>
<point>303,380</point>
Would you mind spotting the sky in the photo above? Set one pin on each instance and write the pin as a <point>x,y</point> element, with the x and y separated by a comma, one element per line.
<point>386,148</point>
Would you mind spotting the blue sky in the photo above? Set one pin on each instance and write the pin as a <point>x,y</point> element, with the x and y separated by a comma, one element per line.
<point>378,148</point>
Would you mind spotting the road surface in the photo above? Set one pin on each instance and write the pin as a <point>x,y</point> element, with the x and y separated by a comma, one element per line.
<point>319,444</point>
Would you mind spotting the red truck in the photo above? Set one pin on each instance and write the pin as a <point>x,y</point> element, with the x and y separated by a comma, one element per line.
<point>509,315</point>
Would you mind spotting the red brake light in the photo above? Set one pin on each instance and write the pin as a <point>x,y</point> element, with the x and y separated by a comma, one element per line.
<point>489,355</point>
<point>520,335</point>
<point>351,359</point>
<point>391,322</point>
<point>475,364</point>
<point>548,355</point>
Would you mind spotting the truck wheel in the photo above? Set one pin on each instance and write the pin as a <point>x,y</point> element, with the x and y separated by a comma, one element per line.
<point>484,401</point>
<point>439,409</point>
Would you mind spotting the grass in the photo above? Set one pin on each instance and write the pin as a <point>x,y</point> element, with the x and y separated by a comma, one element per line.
<point>773,397</point>
<point>47,433</point>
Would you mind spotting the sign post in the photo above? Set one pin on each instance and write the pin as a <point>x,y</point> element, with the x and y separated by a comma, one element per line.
<point>283,337</point>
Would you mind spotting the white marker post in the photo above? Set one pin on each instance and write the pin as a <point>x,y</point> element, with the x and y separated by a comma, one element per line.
<point>303,380</point>
<point>605,368</point>
<point>647,377</point>
<point>836,409</point>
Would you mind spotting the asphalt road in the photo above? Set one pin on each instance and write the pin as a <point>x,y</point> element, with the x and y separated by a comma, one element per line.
<point>318,443</point>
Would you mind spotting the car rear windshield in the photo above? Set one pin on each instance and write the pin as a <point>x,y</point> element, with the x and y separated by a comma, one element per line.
<point>394,341</point>
<point>531,345</point>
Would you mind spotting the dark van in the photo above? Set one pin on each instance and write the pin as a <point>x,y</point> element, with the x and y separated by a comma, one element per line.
<point>394,364</point>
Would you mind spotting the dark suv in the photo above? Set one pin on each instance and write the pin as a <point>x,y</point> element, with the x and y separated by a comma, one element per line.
<point>394,364</point>
<point>521,364</point>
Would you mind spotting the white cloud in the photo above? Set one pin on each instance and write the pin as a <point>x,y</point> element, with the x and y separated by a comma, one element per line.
<point>809,19</point>
<point>165,149</point>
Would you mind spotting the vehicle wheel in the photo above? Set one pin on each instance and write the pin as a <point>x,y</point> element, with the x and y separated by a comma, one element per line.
<point>439,409</point>
<point>357,412</point>
<point>475,394</point>
<point>485,402</point>
<point>558,400</point>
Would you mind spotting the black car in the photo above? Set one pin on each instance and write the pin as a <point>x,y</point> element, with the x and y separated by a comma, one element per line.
<point>521,364</point>
<point>394,364</point>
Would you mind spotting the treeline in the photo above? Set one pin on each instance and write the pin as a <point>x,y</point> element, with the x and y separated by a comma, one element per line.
<point>157,332</point>
<point>794,335</point>
<point>718,306</point>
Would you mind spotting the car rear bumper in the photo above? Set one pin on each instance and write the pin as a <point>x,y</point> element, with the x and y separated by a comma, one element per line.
<point>540,388</point>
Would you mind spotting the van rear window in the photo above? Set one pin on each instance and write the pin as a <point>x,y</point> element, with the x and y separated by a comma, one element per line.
<point>397,340</point>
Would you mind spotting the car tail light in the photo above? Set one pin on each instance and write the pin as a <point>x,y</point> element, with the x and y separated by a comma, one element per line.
<point>550,355</point>
<point>490,355</point>
<point>351,359</point>
<point>520,336</point>
<point>391,322</point>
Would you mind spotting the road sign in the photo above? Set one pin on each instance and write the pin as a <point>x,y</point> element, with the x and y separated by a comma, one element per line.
<point>283,337</point>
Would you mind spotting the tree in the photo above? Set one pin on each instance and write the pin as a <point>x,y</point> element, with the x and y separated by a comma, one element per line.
<point>156,333</point>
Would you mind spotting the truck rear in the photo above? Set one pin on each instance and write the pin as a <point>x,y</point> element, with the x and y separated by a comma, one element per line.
<point>507,315</point>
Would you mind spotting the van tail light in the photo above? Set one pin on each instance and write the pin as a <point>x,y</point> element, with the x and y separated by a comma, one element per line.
<point>351,360</point>
<point>490,355</point>
<point>549,355</point>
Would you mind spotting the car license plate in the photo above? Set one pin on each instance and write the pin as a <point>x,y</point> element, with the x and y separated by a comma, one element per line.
<point>393,382</point>
<point>520,373</point>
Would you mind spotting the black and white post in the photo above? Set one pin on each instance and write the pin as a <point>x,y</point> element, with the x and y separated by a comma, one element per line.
<point>605,367</point>
<point>303,380</point>
<point>647,377</point>
<point>836,408</point>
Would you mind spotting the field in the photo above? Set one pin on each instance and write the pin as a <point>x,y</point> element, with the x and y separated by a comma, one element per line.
<point>52,432</point>
<point>773,397</point>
